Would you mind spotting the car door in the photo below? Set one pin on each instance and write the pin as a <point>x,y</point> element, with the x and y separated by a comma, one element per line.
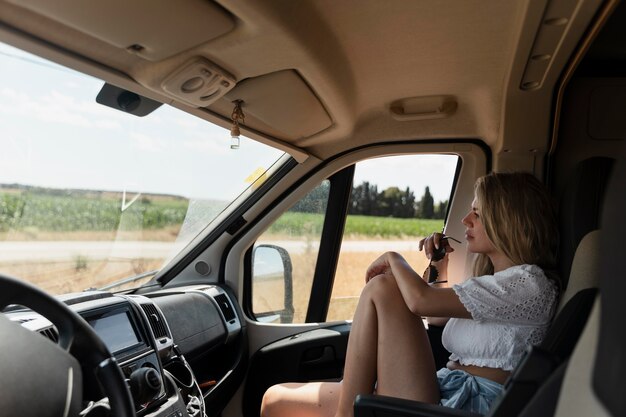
<point>300,287</point>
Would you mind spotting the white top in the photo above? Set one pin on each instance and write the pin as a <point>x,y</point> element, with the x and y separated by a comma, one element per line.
<point>511,310</point>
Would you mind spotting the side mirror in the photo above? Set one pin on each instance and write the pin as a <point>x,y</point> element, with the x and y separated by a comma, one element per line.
<point>272,284</point>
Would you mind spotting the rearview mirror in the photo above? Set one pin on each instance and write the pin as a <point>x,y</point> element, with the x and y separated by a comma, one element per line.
<point>272,284</point>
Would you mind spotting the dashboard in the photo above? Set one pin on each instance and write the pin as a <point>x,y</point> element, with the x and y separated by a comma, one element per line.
<point>181,350</point>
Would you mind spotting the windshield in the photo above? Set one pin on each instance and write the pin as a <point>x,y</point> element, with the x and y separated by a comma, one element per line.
<point>90,195</point>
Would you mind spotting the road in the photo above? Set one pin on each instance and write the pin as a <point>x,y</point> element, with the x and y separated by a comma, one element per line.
<point>70,250</point>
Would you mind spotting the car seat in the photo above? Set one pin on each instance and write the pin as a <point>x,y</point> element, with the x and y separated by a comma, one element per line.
<point>542,368</point>
<point>580,207</point>
<point>591,383</point>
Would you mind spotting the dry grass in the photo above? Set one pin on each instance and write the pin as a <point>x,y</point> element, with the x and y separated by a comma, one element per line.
<point>61,277</point>
<point>167,234</point>
<point>80,274</point>
<point>349,281</point>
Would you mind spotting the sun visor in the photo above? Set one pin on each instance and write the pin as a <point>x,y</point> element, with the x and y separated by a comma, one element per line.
<point>280,105</point>
<point>138,25</point>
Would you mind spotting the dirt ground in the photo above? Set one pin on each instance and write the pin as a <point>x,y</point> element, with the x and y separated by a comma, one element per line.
<point>79,274</point>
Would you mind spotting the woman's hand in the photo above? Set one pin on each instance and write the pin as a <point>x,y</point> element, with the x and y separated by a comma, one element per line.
<point>379,267</point>
<point>432,242</point>
<point>429,244</point>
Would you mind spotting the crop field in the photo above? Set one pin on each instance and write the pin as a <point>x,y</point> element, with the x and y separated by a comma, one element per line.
<point>25,213</point>
<point>357,227</point>
<point>56,212</point>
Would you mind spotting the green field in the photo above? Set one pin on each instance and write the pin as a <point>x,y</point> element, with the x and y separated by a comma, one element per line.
<point>295,224</point>
<point>101,211</point>
<point>62,213</point>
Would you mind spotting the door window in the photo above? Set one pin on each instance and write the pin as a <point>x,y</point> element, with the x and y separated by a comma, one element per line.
<point>284,260</point>
<point>395,201</point>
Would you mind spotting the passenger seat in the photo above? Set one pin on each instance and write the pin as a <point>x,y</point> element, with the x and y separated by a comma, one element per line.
<point>592,382</point>
<point>580,211</point>
<point>579,216</point>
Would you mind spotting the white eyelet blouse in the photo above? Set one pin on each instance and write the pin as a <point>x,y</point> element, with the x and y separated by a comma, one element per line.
<point>511,310</point>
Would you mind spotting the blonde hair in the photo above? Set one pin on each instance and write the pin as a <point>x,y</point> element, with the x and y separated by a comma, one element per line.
<point>519,217</point>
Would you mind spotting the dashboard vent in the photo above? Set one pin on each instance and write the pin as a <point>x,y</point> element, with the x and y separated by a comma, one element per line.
<point>224,304</point>
<point>156,320</point>
<point>50,333</point>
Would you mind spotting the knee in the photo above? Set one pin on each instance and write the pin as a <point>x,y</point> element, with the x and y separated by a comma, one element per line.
<point>382,288</point>
<point>272,399</point>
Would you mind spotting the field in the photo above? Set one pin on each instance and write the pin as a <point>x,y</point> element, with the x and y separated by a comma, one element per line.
<point>30,215</point>
<point>357,227</point>
<point>29,212</point>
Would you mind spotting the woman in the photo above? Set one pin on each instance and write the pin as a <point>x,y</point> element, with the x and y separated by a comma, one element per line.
<point>493,317</point>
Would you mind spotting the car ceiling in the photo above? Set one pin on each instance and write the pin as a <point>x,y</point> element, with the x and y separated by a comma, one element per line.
<point>320,77</point>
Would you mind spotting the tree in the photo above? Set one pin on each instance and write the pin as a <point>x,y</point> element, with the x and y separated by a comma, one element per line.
<point>442,207</point>
<point>396,203</point>
<point>408,204</point>
<point>364,200</point>
<point>390,202</point>
<point>315,201</point>
<point>426,205</point>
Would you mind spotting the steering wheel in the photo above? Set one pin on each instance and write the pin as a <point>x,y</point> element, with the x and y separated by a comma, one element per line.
<point>39,378</point>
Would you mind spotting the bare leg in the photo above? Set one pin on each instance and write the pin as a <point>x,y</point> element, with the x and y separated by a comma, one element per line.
<point>315,399</point>
<point>388,345</point>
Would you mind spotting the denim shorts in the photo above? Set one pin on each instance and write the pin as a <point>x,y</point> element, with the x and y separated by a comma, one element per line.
<point>461,390</point>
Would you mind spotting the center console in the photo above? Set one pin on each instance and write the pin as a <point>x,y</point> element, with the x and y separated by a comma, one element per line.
<point>136,333</point>
<point>177,379</point>
<point>122,331</point>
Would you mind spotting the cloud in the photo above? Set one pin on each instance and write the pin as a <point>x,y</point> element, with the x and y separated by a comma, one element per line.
<point>187,122</point>
<point>208,145</point>
<point>55,107</point>
<point>72,84</point>
<point>146,143</point>
<point>107,124</point>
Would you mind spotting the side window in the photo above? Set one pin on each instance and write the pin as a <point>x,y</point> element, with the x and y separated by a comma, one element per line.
<point>284,259</point>
<point>395,201</point>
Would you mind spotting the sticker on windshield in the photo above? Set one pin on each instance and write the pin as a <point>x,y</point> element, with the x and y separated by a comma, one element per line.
<point>257,177</point>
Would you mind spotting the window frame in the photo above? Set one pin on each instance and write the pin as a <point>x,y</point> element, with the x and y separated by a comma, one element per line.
<point>330,244</point>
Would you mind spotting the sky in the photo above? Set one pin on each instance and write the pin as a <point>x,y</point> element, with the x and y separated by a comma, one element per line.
<point>413,171</point>
<point>54,134</point>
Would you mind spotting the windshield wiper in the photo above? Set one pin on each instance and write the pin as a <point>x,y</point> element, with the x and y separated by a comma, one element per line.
<point>129,280</point>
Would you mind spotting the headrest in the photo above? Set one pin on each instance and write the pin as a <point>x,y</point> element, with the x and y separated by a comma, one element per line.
<point>610,361</point>
<point>580,207</point>
<point>585,267</point>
